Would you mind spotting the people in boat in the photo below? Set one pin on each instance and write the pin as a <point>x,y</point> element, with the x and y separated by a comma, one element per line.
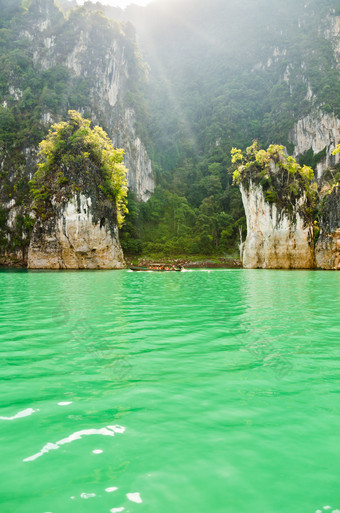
<point>164,267</point>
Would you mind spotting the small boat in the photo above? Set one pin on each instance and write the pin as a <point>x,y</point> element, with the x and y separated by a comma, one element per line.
<point>157,268</point>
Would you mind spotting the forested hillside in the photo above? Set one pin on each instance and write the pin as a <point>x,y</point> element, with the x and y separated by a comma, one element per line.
<point>52,61</point>
<point>223,73</point>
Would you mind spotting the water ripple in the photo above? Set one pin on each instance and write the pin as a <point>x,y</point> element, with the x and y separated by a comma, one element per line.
<point>228,381</point>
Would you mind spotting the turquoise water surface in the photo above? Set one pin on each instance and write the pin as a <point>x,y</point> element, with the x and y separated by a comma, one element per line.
<point>196,392</point>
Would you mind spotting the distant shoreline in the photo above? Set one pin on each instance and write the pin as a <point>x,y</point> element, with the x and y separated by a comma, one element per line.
<point>187,263</point>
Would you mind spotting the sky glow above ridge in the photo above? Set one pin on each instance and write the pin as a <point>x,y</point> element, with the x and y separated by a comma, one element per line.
<point>118,3</point>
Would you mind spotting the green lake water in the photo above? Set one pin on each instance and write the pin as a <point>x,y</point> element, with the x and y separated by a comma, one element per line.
<point>196,392</point>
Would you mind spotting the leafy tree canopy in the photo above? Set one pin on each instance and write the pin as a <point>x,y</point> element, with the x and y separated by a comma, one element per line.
<point>282,179</point>
<point>70,149</point>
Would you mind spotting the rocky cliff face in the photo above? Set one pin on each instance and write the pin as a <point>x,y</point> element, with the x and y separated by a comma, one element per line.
<point>279,198</point>
<point>327,249</point>
<point>82,61</point>
<point>332,33</point>
<point>102,52</point>
<point>78,196</point>
<point>280,231</point>
<point>81,233</point>
<point>274,239</point>
<point>318,131</point>
<point>141,180</point>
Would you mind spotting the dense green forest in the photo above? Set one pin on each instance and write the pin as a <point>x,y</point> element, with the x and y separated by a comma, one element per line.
<point>32,96</point>
<point>221,74</point>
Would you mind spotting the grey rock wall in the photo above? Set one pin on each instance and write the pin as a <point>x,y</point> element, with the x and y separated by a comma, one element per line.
<point>318,131</point>
<point>80,235</point>
<point>109,77</point>
<point>327,250</point>
<point>274,240</point>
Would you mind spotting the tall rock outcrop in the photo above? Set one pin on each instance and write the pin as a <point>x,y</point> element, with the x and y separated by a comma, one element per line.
<point>327,250</point>
<point>79,194</point>
<point>332,33</point>
<point>275,240</point>
<point>81,232</point>
<point>278,199</point>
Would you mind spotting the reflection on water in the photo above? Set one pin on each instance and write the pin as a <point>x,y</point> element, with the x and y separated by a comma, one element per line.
<point>106,431</point>
<point>20,414</point>
<point>226,383</point>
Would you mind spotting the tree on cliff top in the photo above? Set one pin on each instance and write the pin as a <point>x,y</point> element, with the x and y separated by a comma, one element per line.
<point>70,149</point>
<point>282,179</point>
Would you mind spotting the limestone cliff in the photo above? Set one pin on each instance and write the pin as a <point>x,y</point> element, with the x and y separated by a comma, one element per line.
<point>18,224</point>
<point>320,130</point>
<point>102,52</point>
<point>332,33</point>
<point>327,249</point>
<point>321,133</point>
<point>81,233</point>
<point>78,195</point>
<point>274,240</point>
<point>141,178</point>
<point>82,61</point>
<point>278,198</point>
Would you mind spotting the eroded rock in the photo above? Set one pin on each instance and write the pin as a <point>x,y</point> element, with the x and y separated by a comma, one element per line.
<point>80,235</point>
<point>274,239</point>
